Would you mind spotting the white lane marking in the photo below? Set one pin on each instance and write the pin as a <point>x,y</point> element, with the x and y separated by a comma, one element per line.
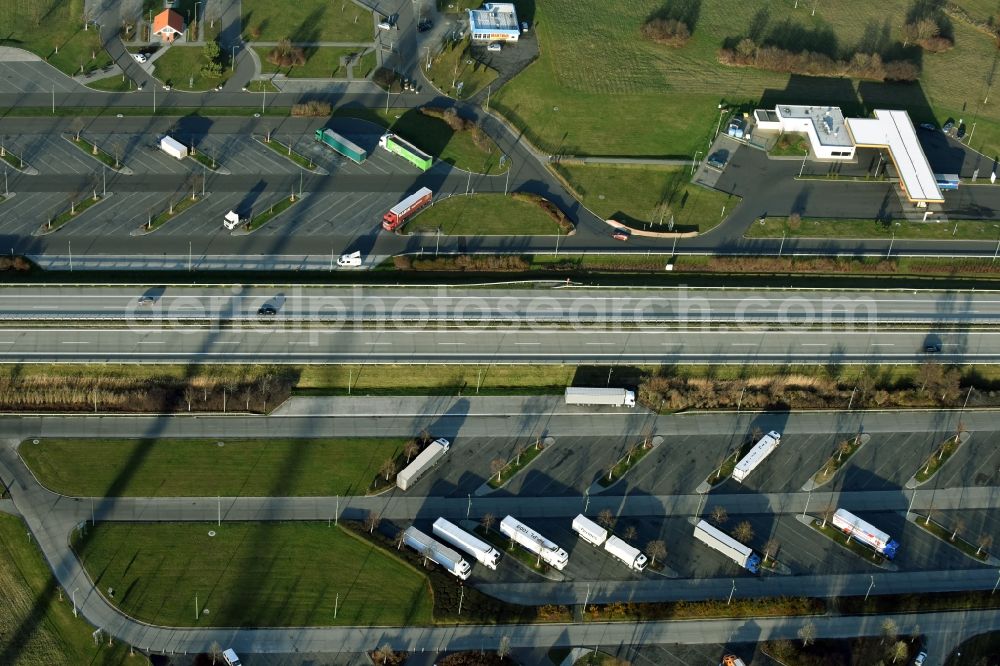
<point>602,343</point>
<point>451,343</point>
<point>743,344</point>
<point>151,342</point>
<point>527,343</point>
<point>883,344</point>
<point>225,342</point>
<point>74,342</point>
<point>814,344</point>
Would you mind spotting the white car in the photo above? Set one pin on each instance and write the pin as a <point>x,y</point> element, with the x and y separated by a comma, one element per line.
<point>919,661</point>
<point>495,46</point>
<point>384,25</point>
<point>139,57</point>
<point>352,259</point>
<point>231,658</point>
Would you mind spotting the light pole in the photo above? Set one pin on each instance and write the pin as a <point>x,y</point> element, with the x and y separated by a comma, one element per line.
<point>731,592</point>
<point>76,588</point>
<point>6,194</point>
<point>232,58</point>
<point>694,162</point>
<point>506,186</point>
<point>468,508</point>
<point>263,100</point>
<point>808,497</point>
<point>782,246</point>
<point>803,167</point>
<point>994,251</point>
<point>891,241</point>
<point>197,26</point>
<point>996,584</point>
<point>388,89</point>
<point>870,588</point>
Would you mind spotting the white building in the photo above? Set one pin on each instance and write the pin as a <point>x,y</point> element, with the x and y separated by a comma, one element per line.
<point>494,22</point>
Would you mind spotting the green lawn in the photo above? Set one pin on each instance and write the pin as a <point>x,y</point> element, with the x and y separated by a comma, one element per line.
<point>632,194</point>
<point>36,626</point>
<point>307,21</point>
<point>484,215</point>
<point>114,83</point>
<point>194,467</point>
<point>365,65</point>
<point>321,63</point>
<point>180,67</point>
<point>452,67</point>
<point>435,137</point>
<point>618,94</point>
<point>775,227</point>
<point>251,575</point>
<point>791,144</point>
<point>47,26</point>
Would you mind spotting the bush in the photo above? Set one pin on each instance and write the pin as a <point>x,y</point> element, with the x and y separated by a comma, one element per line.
<point>18,263</point>
<point>550,209</point>
<point>670,32</point>
<point>286,55</point>
<point>312,108</point>
<point>748,53</point>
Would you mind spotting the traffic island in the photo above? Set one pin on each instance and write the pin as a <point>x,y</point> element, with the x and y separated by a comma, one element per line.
<point>208,162</point>
<point>95,152</point>
<point>632,457</point>
<point>75,210</point>
<point>172,211</point>
<point>489,214</point>
<point>979,552</point>
<point>508,469</point>
<point>17,163</point>
<point>827,529</point>
<point>937,459</point>
<point>295,158</point>
<point>845,450</point>
<point>260,219</point>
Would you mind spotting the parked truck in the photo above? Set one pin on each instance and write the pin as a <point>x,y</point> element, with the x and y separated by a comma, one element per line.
<point>532,541</point>
<point>631,556</point>
<point>866,533</point>
<point>761,450</point>
<point>232,220</point>
<point>398,146</point>
<point>483,552</point>
<point>431,549</point>
<point>728,546</point>
<point>173,147</point>
<point>406,208</point>
<point>342,145</point>
<point>616,397</point>
<point>589,531</point>
<point>427,458</point>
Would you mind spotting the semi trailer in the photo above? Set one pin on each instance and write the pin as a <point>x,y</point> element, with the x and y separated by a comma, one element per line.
<point>483,552</point>
<point>398,146</point>
<point>424,461</point>
<point>761,450</point>
<point>866,533</point>
<point>630,555</point>
<point>342,145</point>
<point>616,397</point>
<point>720,541</point>
<point>431,549</point>
<point>532,541</point>
<point>406,208</point>
<point>173,147</point>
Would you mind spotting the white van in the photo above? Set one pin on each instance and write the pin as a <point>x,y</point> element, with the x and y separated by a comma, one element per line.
<point>352,259</point>
<point>495,46</point>
<point>231,658</point>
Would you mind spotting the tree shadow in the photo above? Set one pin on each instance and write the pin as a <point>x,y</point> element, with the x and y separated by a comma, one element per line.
<point>684,11</point>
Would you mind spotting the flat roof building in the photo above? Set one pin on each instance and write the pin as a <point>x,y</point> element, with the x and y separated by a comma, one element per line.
<point>824,125</point>
<point>494,22</point>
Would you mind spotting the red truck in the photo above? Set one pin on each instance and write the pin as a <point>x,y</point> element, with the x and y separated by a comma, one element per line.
<point>405,209</point>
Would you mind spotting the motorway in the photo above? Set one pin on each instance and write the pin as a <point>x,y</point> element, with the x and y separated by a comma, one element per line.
<point>529,303</point>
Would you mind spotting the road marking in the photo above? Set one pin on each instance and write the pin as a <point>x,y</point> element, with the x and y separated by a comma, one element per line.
<point>743,344</point>
<point>451,343</point>
<point>151,342</point>
<point>814,344</point>
<point>74,342</point>
<point>602,343</point>
<point>389,343</point>
<point>883,344</point>
<point>527,343</point>
<point>225,342</point>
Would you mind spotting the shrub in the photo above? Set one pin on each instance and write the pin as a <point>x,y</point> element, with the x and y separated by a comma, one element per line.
<point>550,209</point>
<point>794,221</point>
<point>286,55</point>
<point>748,53</point>
<point>669,32</point>
<point>312,108</point>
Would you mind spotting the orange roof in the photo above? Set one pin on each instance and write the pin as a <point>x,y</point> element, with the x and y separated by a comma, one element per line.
<point>168,18</point>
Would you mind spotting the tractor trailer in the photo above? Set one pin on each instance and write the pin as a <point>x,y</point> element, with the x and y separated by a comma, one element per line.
<point>431,549</point>
<point>406,208</point>
<point>589,531</point>
<point>342,145</point>
<point>616,397</point>
<point>394,144</point>
<point>534,542</point>
<point>594,534</point>
<point>761,450</point>
<point>866,533</point>
<point>483,552</point>
<point>728,546</point>
<point>422,463</point>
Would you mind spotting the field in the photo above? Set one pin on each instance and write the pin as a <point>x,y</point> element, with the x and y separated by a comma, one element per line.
<point>484,215</point>
<point>632,194</point>
<point>307,21</point>
<point>53,29</point>
<point>321,63</point>
<point>113,83</point>
<point>36,627</point>
<point>452,67</point>
<point>599,88</point>
<point>251,574</point>
<point>180,67</point>
<point>776,227</point>
<point>188,467</point>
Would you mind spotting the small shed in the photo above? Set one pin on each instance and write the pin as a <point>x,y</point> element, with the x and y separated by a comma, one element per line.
<point>168,25</point>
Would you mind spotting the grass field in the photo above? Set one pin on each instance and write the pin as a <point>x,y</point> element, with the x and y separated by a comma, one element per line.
<point>251,574</point>
<point>53,29</point>
<point>452,67</point>
<point>775,227</point>
<point>113,83</point>
<point>307,21</point>
<point>618,94</point>
<point>180,67</point>
<point>187,467</point>
<point>632,194</point>
<point>321,63</point>
<point>484,215</point>
<point>365,65</point>
<point>36,627</point>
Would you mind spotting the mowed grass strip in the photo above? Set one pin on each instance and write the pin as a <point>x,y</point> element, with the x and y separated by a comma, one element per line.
<point>180,67</point>
<point>35,626</point>
<point>323,62</point>
<point>484,215</point>
<point>200,467</point>
<point>251,575</point>
<point>808,227</point>
<point>307,21</point>
<point>53,29</point>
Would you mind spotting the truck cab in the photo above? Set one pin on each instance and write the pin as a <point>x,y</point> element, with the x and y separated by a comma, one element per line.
<point>232,220</point>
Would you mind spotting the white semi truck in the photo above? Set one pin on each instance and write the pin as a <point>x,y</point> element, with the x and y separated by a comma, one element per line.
<point>422,463</point>
<point>549,552</point>
<point>173,147</point>
<point>483,552</point>
<point>594,534</point>
<point>720,541</point>
<point>866,533</point>
<point>589,531</point>
<point>431,549</point>
<point>615,397</point>
<point>761,450</point>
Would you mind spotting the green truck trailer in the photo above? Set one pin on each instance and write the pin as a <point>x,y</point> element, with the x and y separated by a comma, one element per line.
<point>406,150</point>
<point>342,145</point>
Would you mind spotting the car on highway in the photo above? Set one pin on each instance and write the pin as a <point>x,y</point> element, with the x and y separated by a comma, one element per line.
<point>267,310</point>
<point>921,658</point>
<point>352,259</point>
<point>139,57</point>
<point>146,300</point>
<point>932,348</point>
<point>620,234</point>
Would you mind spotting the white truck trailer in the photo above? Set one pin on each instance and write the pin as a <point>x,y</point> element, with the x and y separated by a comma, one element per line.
<point>720,541</point>
<point>630,555</point>
<point>483,552</point>
<point>615,397</point>
<point>866,533</point>
<point>589,531</point>
<point>431,549</point>
<point>761,450</point>
<point>422,463</point>
<point>549,552</point>
<point>173,147</point>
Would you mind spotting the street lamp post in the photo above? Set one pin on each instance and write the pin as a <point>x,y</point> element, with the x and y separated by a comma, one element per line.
<point>468,508</point>
<point>891,241</point>
<point>76,588</point>
<point>232,58</point>
<point>196,24</point>
<point>806,508</point>
<point>870,588</point>
<point>994,251</point>
<point>996,584</point>
<point>731,592</point>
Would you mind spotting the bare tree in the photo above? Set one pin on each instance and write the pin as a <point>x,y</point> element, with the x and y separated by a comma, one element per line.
<point>487,521</point>
<point>371,521</point>
<point>719,515</point>
<point>400,538</point>
<point>190,392</point>
<point>503,650</point>
<point>889,630</point>
<point>957,527</point>
<point>827,514</point>
<point>656,549</point>
<point>630,533</point>
<point>215,650</point>
<point>628,454</point>
<point>807,633</point>
<point>496,467</point>
<point>984,541</point>
<point>77,127</point>
<point>410,449</point>
<point>388,468</point>
<point>843,449</point>
<point>264,384</point>
<point>247,394</point>
<point>756,434</point>
<point>383,653</point>
<point>518,452</point>
<point>743,532</point>
<point>606,519</point>
<point>771,549</point>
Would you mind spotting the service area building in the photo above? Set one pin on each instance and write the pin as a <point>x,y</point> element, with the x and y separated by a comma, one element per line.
<point>494,22</point>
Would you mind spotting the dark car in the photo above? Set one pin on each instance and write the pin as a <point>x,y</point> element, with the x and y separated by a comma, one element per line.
<point>932,348</point>
<point>961,131</point>
<point>718,159</point>
<point>948,126</point>
<point>267,310</point>
<point>425,25</point>
<point>928,126</point>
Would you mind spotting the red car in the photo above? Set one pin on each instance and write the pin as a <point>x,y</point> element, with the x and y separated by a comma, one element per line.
<point>620,234</point>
